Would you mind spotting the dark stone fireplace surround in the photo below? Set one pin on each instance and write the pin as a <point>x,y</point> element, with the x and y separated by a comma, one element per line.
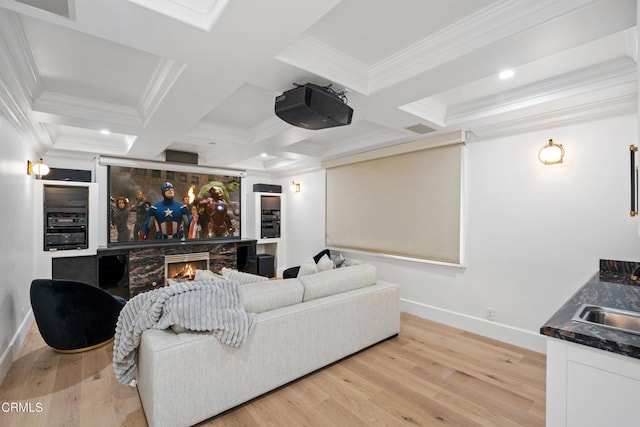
<point>146,262</point>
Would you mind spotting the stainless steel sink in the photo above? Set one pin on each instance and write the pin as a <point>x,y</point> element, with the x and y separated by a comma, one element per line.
<point>613,318</point>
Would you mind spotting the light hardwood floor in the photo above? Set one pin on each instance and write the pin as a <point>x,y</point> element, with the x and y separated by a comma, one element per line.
<point>430,374</point>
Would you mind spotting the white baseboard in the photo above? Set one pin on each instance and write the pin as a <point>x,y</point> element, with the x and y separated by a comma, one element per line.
<point>10,353</point>
<point>497,331</point>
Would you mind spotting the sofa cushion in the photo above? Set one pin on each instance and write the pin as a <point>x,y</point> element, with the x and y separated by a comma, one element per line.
<point>240,277</point>
<point>265,296</point>
<point>338,280</point>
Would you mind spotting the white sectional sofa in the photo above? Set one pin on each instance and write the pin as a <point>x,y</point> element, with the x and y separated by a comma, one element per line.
<point>302,324</point>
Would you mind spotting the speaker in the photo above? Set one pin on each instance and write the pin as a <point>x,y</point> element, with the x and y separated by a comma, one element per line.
<point>246,257</point>
<point>76,175</point>
<point>312,107</point>
<point>81,268</point>
<point>267,188</point>
<point>266,265</point>
<point>181,157</point>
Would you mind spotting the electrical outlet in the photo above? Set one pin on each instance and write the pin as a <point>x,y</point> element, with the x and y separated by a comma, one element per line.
<point>491,313</point>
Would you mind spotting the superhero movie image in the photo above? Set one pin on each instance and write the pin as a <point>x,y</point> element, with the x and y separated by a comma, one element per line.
<point>151,204</point>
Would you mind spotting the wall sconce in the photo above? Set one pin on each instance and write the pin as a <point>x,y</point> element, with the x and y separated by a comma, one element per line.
<point>294,187</point>
<point>551,153</point>
<point>39,168</point>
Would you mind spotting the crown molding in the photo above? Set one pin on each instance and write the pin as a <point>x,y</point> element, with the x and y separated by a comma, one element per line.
<point>19,81</point>
<point>365,143</point>
<point>21,55</point>
<point>42,13</point>
<point>427,109</point>
<point>16,50</point>
<point>10,107</point>
<point>115,144</point>
<point>501,19</point>
<point>77,144</point>
<point>425,143</point>
<point>317,57</point>
<point>279,163</point>
<point>75,107</point>
<point>164,76</point>
<point>612,73</point>
<point>202,14</point>
<point>631,43</point>
<point>597,110</point>
<point>53,130</point>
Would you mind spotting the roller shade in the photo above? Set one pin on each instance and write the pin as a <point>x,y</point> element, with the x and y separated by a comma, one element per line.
<point>406,204</point>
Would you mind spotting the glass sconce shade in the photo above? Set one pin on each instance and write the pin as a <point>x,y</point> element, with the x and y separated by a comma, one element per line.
<point>38,168</point>
<point>551,153</point>
<point>294,187</point>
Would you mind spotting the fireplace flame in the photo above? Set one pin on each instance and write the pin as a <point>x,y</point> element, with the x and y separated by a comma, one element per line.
<point>186,272</point>
<point>191,193</point>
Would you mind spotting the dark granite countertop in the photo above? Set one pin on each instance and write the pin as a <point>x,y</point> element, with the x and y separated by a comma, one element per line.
<point>611,287</point>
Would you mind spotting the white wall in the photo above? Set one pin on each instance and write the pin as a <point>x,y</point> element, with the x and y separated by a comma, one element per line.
<point>16,261</point>
<point>535,233</point>
<point>304,219</point>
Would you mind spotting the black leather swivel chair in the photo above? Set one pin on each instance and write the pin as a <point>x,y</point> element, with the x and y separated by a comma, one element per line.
<point>74,316</point>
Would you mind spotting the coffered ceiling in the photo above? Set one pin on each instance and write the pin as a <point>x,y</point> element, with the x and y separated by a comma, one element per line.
<point>202,75</point>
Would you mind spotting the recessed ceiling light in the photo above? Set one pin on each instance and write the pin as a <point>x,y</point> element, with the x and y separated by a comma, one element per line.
<point>505,74</point>
<point>105,131</point>
<point>263,155</point>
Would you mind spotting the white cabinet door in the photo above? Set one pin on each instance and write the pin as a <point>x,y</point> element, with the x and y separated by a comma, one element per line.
<point>587,387</point>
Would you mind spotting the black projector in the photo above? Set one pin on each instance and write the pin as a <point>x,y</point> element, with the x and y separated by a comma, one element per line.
<point>311,106</point>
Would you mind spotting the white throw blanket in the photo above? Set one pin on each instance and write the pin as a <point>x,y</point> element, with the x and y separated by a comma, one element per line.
<point>200,306</point>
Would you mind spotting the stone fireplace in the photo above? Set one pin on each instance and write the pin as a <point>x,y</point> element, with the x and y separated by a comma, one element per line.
<point>147,268</point>
<point>184,266</point>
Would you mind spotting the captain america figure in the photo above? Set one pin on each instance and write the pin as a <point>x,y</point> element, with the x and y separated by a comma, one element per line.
<point>168,219</point>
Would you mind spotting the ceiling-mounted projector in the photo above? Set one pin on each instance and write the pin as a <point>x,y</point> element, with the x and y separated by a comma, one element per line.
<point>311,106</point>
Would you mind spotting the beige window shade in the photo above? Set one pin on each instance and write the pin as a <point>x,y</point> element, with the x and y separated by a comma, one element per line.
<point>406,204</point>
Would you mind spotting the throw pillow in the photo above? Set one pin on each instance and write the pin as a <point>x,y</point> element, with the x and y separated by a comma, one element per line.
<point>307,267</point>
<point>325,264</point>
<point>203,275</point>
<point>240,277</point>
<point>337,260</point>
<point>351,262</point>
<point>177,329</point>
